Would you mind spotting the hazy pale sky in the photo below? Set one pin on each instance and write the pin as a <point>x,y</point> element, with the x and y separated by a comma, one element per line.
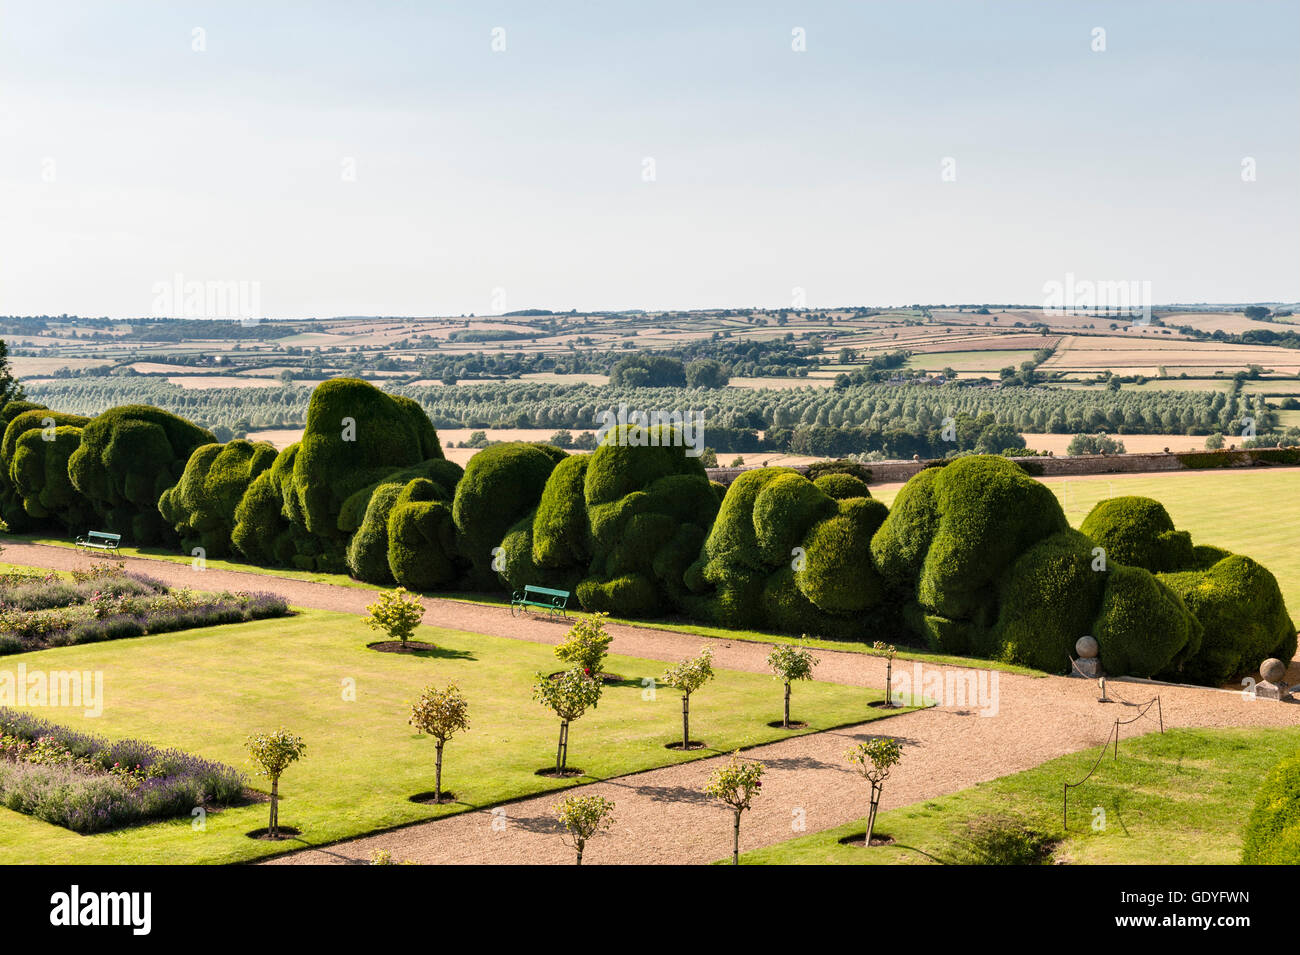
<point>490,179</point>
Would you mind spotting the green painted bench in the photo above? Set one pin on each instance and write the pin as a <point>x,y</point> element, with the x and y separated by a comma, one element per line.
<point>543,598</point>
<point>100,540</point>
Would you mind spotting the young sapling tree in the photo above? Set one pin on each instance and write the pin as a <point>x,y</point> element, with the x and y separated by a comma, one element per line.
<point>586,645</point>
<point>735,783</point>
<point>687,677</point>
<point>397,614</point>
<point>272,754</point>
<point>442,714</point>
<point>873,760</point>
<point>568,696</point>
<point>791,663</point>
<point>889,650</point>
<point>582,818</point>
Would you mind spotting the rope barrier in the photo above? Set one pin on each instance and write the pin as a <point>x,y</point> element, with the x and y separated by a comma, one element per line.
<point>1143,709</point>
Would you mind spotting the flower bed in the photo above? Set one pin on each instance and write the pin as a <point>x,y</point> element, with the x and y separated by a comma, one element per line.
<point>88,784</point>
<point>108,604</point>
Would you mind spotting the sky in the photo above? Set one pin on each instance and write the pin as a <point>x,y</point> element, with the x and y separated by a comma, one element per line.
<point>448,158</point>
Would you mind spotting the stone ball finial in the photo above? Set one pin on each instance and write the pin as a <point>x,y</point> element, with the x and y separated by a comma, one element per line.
<point>1272,670</point>
<point>1087,647</point>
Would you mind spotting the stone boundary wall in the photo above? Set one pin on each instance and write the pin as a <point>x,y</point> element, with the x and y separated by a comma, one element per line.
<point>893,472</point>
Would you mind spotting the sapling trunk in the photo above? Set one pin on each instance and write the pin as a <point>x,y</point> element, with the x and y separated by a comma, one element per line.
<point>735,840</point>
<point>437,778</point>
<point>562,750</point>
<point>686,721</point>
<point>273,826</point>
<point>786,722</point>
<point>871,814</point>
<point>582,844</point>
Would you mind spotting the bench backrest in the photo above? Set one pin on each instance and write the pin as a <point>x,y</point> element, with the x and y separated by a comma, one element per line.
<point>104,536</point>
<point>530,589</point>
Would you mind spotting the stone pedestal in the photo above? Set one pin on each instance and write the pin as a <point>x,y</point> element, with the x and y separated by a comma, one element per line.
<point>1272,691</point>
<point>1089,668</point>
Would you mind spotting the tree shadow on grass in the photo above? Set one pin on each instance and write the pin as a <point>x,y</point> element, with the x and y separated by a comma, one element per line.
<point>435,653</point>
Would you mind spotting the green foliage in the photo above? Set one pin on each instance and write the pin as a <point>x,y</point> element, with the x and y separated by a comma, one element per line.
<point>1138,531</point>
<point>838,575</point>
<point>263,532</point>
<point>560,536</point>
<point>791,663</point>
<point>736,782</point>
<point>1094,444</point>
<point>1239,605</point>
<point>569,695</point>
<point>949,540</point>
<point>783,511</point>
<point>273,753</point>
<point>355,436</point>
<point>201,506</point>
<point>396,614</point>
<point>582,818</point>
<point>586,644</point>
<point>34,483</point>
<point>502,483</point>
<point>1272,834</point>
<point>127,458</point>
<point>1047,599</point>
<point>1143,626</point>
<point>842,486</point>
<point>440,713</point>
<point>690,675</point>
<point>876,758</point>
<point>422,550</point>
<point>368,550</point>
<point>1002,840</point>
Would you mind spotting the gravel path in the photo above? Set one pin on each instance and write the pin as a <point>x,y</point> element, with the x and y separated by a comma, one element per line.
<point>661,816</point>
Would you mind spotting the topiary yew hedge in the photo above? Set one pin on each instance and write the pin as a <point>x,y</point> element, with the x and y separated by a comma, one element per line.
<point>127,458</point>
<point>1272,834</point>
<point>975,557</point>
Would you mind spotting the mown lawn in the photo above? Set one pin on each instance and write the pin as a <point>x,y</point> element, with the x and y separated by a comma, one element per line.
<point>204,691</point>
<point>1183,797</point>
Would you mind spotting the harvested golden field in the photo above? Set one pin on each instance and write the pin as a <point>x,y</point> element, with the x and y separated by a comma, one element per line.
<point>1133,443</point>
<point>1126,356</point>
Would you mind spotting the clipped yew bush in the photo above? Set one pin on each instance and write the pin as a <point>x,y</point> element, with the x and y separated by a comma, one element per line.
<point>355,436</point>
<point>1143,626</point>
<point>1272,833</point>
<point>36,469</point>
<point>842,486</point>
<point>560,536</point>
<point>1239,605</point>
<point>1138,531</point>
<point>128,456</point>
<point>950,539</point>
<point>422,551</point>
<point>368,549</point>
<point>838,574</point>
<point>264,531</point>
<point>502,484</point>
<point>11,505</point>
<point>1047,599</point>
<point>201,506</point>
